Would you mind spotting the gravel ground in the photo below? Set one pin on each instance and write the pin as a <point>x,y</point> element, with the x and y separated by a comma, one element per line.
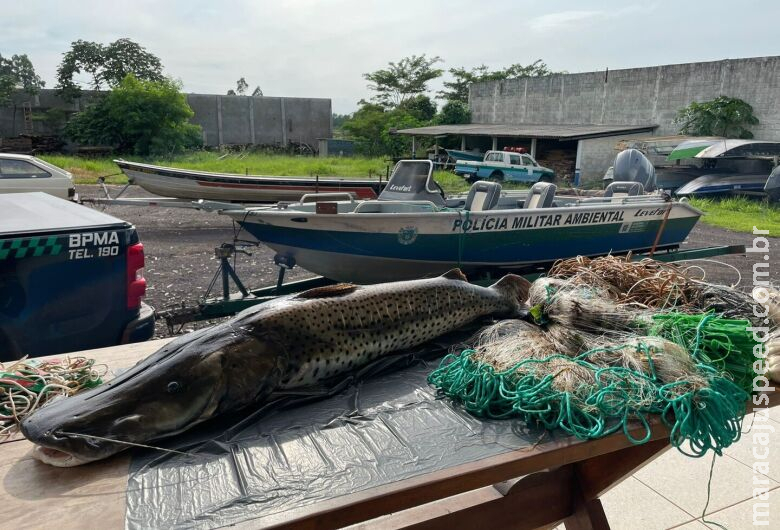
<point>180,263</point>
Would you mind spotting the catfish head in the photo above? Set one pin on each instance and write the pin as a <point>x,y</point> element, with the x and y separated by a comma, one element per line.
<point>191,379</point>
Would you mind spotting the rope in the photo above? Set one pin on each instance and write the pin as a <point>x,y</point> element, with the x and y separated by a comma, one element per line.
<point>462,235</point>
<point>28,384</point>
<point>707,417</point>
<point>723,344</point>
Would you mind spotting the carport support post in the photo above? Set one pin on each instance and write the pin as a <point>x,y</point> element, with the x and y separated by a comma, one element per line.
<point>463,142</point>
<point>533,148</point>
<point>577,163</point>
<point>495,143</point>
<point>414,146</point>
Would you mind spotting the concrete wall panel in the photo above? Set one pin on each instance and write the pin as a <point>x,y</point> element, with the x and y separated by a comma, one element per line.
<point>307,119</point>
<point>634,96</point>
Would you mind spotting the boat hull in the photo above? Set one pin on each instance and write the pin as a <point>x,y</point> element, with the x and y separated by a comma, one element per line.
<point>723,185</point>
<point>186,184</point>
<point>370,248</point>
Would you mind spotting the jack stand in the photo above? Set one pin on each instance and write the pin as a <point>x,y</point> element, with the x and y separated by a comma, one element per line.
<point>284,263</point>
<point>224,253</point>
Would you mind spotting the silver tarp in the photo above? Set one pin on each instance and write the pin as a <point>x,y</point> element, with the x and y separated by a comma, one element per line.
<point>374,432</point>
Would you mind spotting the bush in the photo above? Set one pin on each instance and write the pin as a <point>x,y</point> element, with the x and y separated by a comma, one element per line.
<point>139,117</point>
<point>723,116</point>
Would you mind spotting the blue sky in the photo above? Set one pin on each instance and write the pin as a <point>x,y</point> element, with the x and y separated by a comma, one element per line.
<point>321,48</point>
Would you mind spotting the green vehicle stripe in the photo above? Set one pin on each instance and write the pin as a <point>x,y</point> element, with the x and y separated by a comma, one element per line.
<point>35,246</point>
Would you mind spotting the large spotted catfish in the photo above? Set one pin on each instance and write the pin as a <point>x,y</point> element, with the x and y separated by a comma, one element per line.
<point>292,342</point>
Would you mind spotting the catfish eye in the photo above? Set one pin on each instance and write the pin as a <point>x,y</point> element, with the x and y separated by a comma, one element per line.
<point>173,387</point>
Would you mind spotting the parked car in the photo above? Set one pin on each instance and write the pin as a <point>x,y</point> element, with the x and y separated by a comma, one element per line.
<point>25,173</point>
<point>71,278</point>
<point>509,166</point>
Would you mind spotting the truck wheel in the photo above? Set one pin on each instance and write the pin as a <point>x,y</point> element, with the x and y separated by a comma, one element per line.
<point>497,176</point>
<point>547,178</point>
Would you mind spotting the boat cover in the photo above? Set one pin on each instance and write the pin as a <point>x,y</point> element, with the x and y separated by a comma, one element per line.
<point>374,432</point>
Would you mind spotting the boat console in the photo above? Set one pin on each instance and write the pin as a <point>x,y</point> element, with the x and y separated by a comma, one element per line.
<point>412,180</point>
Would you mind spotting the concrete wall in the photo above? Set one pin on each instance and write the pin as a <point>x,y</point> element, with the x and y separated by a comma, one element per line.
<point>225,120</point>
<point>635,96</point>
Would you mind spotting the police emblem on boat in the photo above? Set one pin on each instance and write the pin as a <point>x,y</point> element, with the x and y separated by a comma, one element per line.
<point>407,235</point>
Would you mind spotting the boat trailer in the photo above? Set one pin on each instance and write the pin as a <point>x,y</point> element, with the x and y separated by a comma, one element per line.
<point>229,303</point>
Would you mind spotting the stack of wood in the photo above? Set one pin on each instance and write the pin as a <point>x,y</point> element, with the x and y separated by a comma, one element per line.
<point>16,144</point>
<point>559,161</point>
<point>29,144</point>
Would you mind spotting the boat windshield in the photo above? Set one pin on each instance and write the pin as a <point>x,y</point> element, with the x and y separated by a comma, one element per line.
<point>412,180</point>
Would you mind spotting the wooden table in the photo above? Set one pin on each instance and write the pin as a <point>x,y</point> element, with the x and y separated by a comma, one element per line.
<point>561,481</point>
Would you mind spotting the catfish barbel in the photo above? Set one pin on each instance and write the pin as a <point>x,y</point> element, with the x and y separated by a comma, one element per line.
<point>292,342</point>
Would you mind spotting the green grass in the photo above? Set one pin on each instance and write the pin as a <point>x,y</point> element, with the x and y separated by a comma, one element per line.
<point>740,214</point>
<point>87,170</point>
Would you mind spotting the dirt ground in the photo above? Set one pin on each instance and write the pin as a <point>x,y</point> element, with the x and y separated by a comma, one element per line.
<point>179,246</point>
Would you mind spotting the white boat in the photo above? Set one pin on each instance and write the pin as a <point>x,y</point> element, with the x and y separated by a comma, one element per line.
<point>412,231</point>
<point>191,184</point>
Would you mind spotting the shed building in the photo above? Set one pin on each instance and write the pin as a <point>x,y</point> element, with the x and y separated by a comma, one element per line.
<point>589,113</point>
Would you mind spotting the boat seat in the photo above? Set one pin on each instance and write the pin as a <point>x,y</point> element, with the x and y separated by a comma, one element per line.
<point>540,195</point>
<point>483,196</point>
<point>620,190</point>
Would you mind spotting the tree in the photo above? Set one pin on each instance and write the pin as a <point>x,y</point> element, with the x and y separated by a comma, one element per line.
<point>722,116</point>
<point>366,127</point>
<point>420,106</point>
<point>17,73</point>
<point>139,116</point>
<point>458,88</point>
<point>242,86</point>
<point>454,113</point>
<point>107,65</point>
<point>400,81</point>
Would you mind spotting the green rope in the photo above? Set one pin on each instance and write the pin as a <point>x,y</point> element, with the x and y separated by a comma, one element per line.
<point>708,418</point>
<point>462,235</point>
<point>724,344</point>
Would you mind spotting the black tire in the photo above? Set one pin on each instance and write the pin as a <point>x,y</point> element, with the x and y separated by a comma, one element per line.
<point>497,176</point>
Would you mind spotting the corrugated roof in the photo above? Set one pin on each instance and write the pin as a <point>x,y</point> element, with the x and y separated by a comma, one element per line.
<point>527,130</point>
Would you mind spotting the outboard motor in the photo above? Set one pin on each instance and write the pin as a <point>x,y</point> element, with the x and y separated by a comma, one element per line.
<point>632,165</point>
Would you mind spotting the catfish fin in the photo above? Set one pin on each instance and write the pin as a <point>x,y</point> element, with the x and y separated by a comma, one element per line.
<point>514,287</point>
<point>328,291</point>
<point>455,274</point>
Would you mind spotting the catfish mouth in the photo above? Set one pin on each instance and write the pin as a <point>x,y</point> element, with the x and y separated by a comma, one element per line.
<point>55,457</point>
<point>67,449</point>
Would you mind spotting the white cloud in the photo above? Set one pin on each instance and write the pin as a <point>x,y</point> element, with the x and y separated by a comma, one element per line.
<point>562,20</point>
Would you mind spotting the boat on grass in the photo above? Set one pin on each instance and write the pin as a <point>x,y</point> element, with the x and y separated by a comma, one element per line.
<point>411,230</point>
<point>458,154</point>
<point>716,185</point>
<point>230,187</point>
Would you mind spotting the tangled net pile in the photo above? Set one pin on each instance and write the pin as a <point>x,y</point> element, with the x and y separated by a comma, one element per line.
<point>654,284</point>
<point>26,385</point>
<point>613,342</point>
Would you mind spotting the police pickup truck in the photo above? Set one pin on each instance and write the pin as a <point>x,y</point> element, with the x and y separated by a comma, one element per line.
<point>71,278</point>
<point>509,166</point>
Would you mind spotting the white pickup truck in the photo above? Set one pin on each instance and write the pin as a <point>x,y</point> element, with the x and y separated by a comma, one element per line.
<point>509,166</point>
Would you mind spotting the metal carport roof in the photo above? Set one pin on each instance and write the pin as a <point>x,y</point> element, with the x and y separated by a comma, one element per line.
<point>528,130</point>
